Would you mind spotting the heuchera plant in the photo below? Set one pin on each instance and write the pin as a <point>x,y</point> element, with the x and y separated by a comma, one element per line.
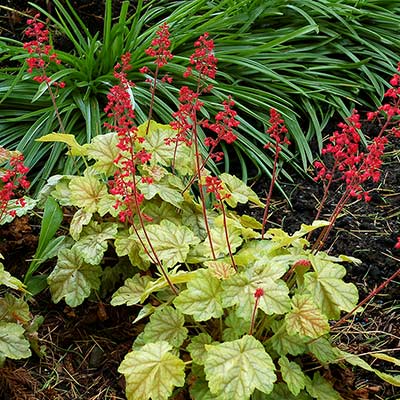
<point>18,329</point>
<point>232,310</point>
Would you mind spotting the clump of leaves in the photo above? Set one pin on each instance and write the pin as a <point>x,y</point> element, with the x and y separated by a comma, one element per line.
<point>233,310</point>
<point>226,333</point>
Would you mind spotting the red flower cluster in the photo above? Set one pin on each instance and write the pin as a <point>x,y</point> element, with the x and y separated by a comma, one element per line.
<point>214,185</point>
<point>392,107</point>
<point>120,108</point>
<point>277,131</point>
<point>159,48</point>
<point>43,51</point>
<point>224,123</point>
<point>12,179</point>
<point>203,58</point>
<point>355,166</point>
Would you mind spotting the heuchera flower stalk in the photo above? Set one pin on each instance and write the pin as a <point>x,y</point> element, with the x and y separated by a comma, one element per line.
<point>277,132</point>
<point>42,56</point>
<point>121,110</point>
<point>349,163</point>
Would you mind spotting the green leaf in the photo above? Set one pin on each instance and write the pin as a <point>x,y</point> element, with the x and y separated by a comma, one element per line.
<point>93,241</point>
<point>328,289</point>
<point>323,350</point>
<point>12,341</point>
<point>239,191</point>
<point>321,389</point>
<point>125,245</point>
<point>166,324</point>
<point>163,153</point>
<point>8,280</point>
<point>75,149</point>
<point>197,347</point>
<point>86,192</point>
<point>168,188</point>
<point>171,242</point>
<point>104,150</point>
<point>14,309</point>
<point>236,327</point>
<point>80,218</point>
<point>282,392</point>
<point>239,290</point>
<point>306,319</point>
<point>152,372</point>
<point>202,298</point>
<point>131,292</point>
<point>292,375</point>
<point>359,362</point>
<point>235,369</point>
<point>72,278</point>
<point>283,343</point>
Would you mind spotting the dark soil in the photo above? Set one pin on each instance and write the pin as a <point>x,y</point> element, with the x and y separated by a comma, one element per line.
<point>84,346</point>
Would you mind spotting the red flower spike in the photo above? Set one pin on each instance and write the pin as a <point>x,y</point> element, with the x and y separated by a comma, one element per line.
<point>41,51</point>
<point>160,45</point>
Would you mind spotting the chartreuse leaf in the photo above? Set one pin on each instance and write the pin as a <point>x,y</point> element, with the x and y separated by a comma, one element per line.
<point>86,192</point>
<point>14,309</point>
<point>359,362</point>
<point>235,369</point>
<point>328,289</point>
<point>171,242</point>
<point>167,188</point>
<point>93,241</point>
<point>166,324</point>
<point>323,350</point>
<point>12,341</point>
<point>219,242</point>
<point>75,149</point>
<point>8,280</point>
<point>320,389</point>
<point>131,292</point>
<point>152,372</point>
<point>72,278</point>
<point>202,298</point>
<point>125,245</point>
<point>292,375</point>
<point>282,392</point>
<point>104,150</point>
<point>80,218</point>
<point>283,343</point>
<point>235,327</point>
<point>197,348</point>
<point>239,191</point>
<point>161,283</point>
<point>239,291</point>
<point>156,143</point>
<point>306,319</point>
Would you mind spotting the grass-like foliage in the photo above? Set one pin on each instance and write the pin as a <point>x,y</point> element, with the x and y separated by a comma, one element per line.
<point>307,61</point>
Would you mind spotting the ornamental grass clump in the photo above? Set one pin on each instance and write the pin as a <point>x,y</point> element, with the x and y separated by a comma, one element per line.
<point>230,310</point>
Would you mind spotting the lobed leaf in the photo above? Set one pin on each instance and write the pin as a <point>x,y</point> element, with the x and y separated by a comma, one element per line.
<point>12,341</point>
<point>166,324</point>
<point>202,298</point>
<point>235,369</point>
<point>152,372</point>
<point>306,319</point>
<point>72,278</point>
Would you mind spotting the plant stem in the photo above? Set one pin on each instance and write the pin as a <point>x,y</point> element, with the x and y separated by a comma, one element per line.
<point>368,298</point>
